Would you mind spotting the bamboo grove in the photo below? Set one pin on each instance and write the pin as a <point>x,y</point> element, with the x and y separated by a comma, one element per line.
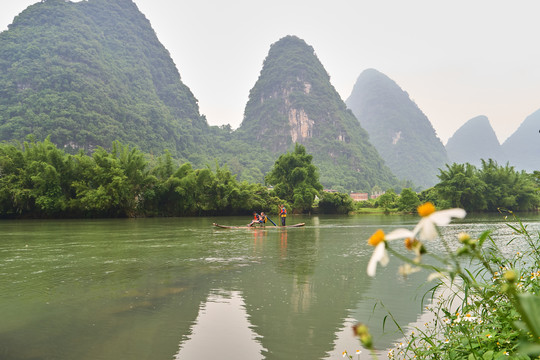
<point>38,180</point>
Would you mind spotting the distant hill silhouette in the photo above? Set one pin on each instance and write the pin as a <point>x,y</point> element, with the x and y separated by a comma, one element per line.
<point>400,131</point>
<point>522,148</point>
<point>294,101</point>
<point>473,141</point>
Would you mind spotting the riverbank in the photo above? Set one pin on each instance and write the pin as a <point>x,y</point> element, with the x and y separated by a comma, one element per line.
<point>378,211</point>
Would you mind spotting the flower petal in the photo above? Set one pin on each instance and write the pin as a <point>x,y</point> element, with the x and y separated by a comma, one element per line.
<point>426,229</point>
<point>379,255</point>
<point>407,269</point>
<point>399,234</point>
<point>444,217</point>
<point>384,258</point>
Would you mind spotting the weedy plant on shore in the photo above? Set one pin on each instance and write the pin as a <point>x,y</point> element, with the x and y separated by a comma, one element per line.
<point>485,303</point>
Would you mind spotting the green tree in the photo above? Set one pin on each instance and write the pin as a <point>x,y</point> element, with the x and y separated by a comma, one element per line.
<point>295,179</point>
<point>335,203</point>
<point>408,200</point>
<point>489,188</point>
<point>387,200</point>
<point>461,186</point>
<point>508,188</point>
<point>35,179</point>
<point>431,195</point>
<point>112,184</point>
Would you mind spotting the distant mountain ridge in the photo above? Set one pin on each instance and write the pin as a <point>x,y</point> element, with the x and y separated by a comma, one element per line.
<point>294,101</point>
<point>476,140</point>
<point>522,148</point>
<point>473,141</point>
<point>400,131</point>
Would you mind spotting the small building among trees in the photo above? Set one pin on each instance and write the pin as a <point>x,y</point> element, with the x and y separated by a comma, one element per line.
<point>359,196</point>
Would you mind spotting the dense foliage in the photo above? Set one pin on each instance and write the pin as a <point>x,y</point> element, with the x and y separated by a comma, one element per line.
<point>335,203</point>
<point>488,188</point>
<point>39,180</point>
<point>295,179</point>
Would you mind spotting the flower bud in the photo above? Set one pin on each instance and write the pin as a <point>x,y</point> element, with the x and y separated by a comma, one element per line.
<point>510,276</point>
<point>363,334</point>
<point>463,237</point>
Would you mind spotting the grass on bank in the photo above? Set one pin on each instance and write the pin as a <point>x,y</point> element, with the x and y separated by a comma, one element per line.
<point>486,301</point>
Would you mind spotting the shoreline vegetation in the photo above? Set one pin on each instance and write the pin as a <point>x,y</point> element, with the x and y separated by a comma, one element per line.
<point>485,300</point>
<point>39,180</point>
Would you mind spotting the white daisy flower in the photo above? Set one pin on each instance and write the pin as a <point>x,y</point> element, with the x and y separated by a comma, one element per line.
<point>427,226</point>
<point>380,255</point>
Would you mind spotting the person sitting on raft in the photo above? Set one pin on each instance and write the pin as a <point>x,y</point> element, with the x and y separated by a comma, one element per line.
<point>258,219</point>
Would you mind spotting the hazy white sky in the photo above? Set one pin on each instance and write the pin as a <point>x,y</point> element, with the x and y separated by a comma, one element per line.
<point>456,59</point>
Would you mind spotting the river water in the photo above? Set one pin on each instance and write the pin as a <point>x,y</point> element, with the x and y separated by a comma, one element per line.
<point>179,288</point>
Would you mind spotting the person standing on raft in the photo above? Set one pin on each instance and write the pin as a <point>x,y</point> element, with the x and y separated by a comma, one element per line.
<point>282,214</point>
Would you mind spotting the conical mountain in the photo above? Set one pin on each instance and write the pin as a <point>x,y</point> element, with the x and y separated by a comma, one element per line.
<point>400,131</point>
<point>522,148</point>
<point>91,72</point>
<point>293,101</point>
<point>473,141</point>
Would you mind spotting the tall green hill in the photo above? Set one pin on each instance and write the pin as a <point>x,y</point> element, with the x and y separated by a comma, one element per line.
<point>91,72</point>
<point>294,101</point>
<point>400,131</point>
<point>473,141</point>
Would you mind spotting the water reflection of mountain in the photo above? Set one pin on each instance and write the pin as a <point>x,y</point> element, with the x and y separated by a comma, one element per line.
<point>222,330</point>
<point>299,301</point>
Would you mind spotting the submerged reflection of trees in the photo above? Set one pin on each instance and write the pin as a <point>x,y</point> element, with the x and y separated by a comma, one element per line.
<point>297,257</point>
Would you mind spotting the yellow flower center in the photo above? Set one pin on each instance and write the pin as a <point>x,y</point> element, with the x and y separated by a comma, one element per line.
<point>409,243</point>
<point>426,209</point>
<point>376,238</point>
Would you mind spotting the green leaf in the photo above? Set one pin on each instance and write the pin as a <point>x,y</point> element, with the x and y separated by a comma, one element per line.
<point>531,312</point>
<point>530,349</point>
<point>488,355</point>
<point>483,237</point>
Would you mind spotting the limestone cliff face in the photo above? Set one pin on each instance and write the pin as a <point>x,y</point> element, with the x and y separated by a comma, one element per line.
<point>294,102</point>
<point>300,124</point>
